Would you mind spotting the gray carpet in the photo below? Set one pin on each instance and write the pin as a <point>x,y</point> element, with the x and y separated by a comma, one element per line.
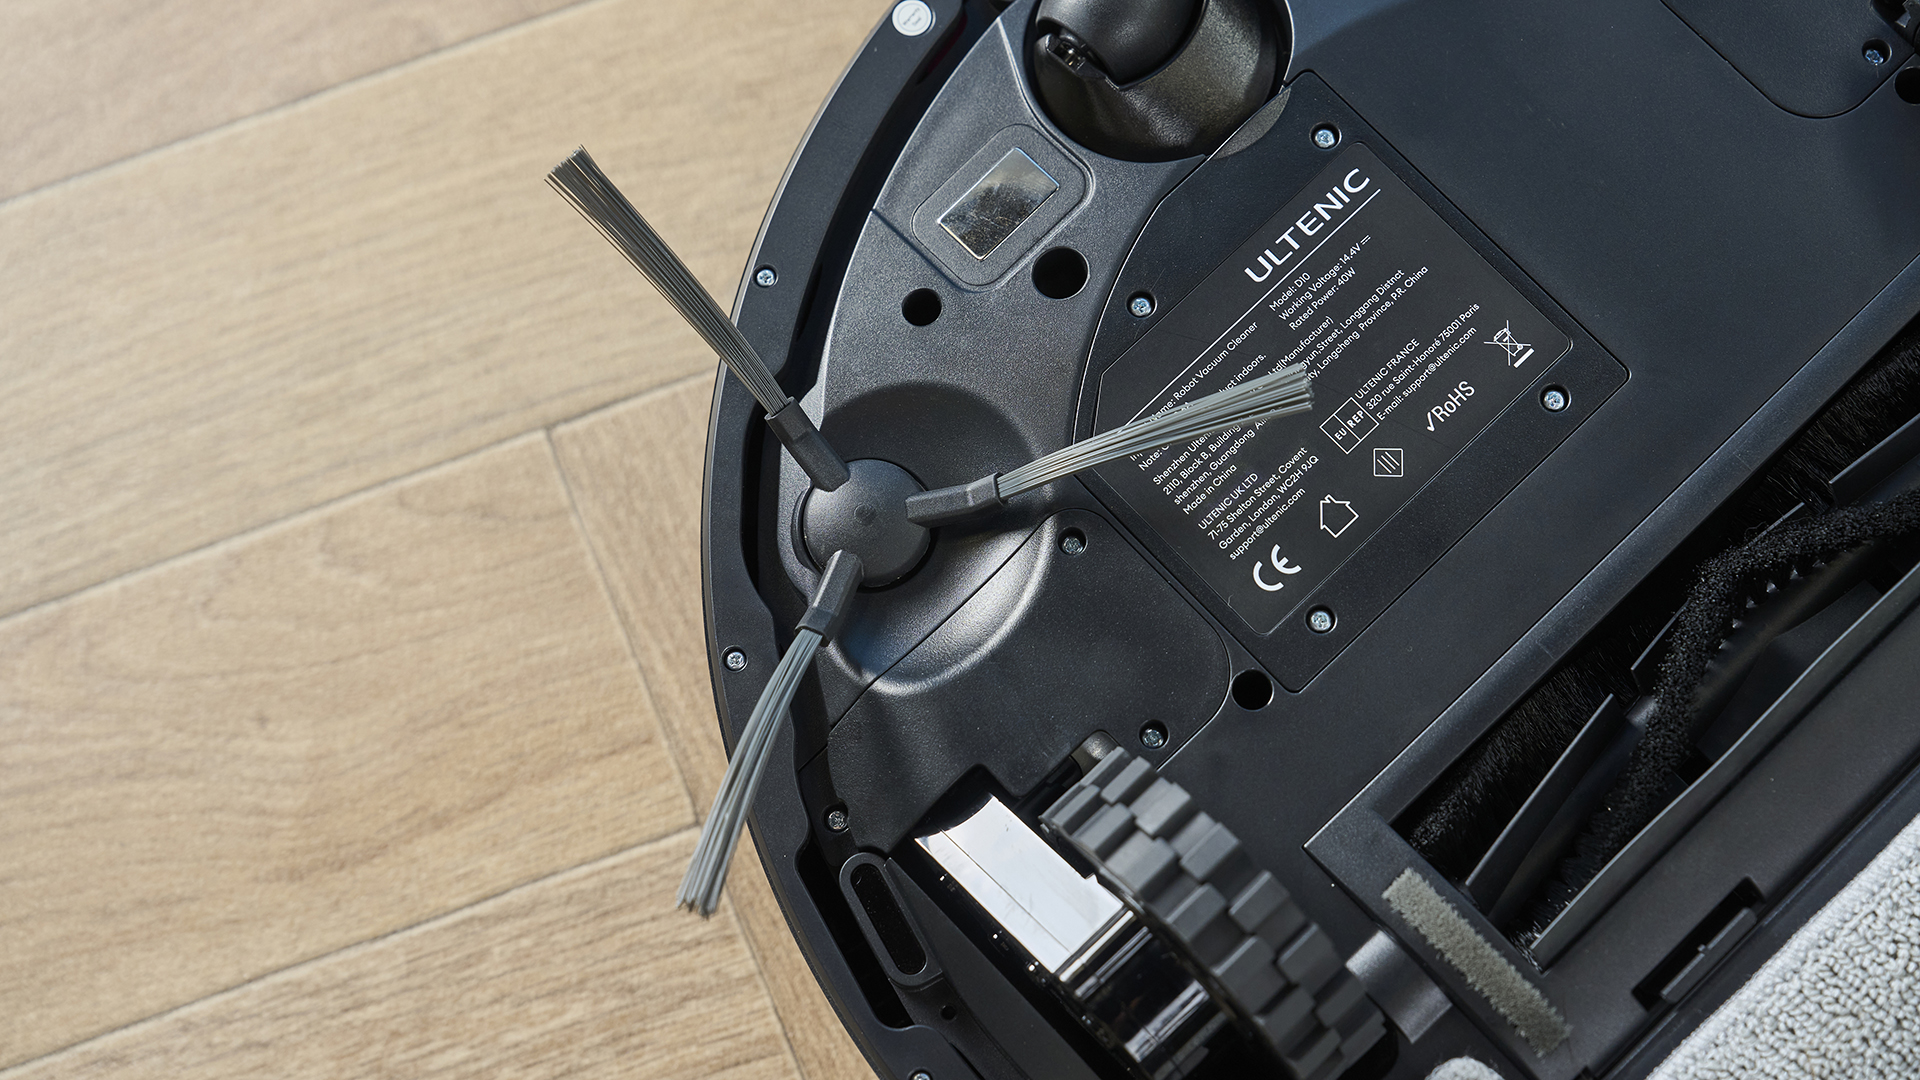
<point>1463,1069</point>
<point>1842,999</point>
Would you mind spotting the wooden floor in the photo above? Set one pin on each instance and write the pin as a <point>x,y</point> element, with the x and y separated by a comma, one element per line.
<point>353,710</point>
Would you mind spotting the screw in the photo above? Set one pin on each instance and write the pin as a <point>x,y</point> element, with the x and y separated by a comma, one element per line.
<point>736,660</point>
<point>1073,543</point>
<point>1875,52</point>
<point>1153,735</point>
<point>765,277</point>
<point>1553,399</point>
<point>1326,136</point>
<point>1320,620</point>
<point>921,1074</point>
<point>1141,306</point>
<point>837,819</point>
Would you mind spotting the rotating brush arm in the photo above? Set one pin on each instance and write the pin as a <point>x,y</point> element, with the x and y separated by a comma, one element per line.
<point>1255,401</point>
<point>720,834</point>
<point>579,180</point>
<point>581,183</point>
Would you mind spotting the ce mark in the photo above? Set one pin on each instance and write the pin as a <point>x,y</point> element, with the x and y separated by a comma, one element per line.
<point>1279,564</point>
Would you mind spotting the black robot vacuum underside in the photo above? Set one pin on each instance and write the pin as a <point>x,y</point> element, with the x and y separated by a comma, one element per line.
<point>1516,702</point>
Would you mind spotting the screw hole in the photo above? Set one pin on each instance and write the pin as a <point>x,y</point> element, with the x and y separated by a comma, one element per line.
<point>1073,541</point>
<point>1252,690</point>
<point>1876,52</point>
<point>1059,273</point>
<point>1907,85</point>
<point>921,307</point>
<point>948,1012</point>
<point>1153,735</point>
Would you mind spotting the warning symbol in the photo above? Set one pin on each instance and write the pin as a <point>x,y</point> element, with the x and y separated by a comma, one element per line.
<point>1336,515</point>
<point>1517,351</point>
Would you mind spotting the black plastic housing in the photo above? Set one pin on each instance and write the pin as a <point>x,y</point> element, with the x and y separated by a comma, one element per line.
<point>1723,262</point>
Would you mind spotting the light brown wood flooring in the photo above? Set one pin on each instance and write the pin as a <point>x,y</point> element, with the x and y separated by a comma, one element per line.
<point>353,712</point>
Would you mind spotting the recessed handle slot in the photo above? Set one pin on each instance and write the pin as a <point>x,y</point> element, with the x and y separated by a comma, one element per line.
<point>883,917</point>
<point>1702,950</point>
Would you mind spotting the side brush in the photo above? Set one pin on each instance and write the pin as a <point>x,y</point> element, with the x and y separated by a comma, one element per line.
<point>720,835</point>
<point>581,183</point>
<point>1282,393</point>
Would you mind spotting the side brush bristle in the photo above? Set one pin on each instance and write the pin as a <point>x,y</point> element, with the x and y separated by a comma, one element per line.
<point>720,835</point>
<point>581,183</point>
<point>1255,401</point>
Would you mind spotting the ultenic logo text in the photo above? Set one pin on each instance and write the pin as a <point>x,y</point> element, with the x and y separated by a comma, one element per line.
<point>1338,198</point>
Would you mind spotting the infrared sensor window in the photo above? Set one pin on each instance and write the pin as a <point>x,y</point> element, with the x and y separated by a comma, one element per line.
<point>1004,198</point>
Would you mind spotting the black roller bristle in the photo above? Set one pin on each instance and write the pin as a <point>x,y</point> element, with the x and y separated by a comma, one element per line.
<point>1719,593</point>
<point>1457,819</point>
<point>1883,397</point>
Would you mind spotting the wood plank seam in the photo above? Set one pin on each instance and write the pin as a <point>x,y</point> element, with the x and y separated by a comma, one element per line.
<point>240,122</point>
<point>316,510</point>
<point>626,632</point>
<point>681,754</point>
<point>659,390</point>
<point>495,569</point>
<point>699,814</point>
<point>346,498</point>
<point>766,982</point>
<point>556,877</point>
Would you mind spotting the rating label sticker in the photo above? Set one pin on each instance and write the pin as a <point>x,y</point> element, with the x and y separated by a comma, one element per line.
<point>1414,344</point>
